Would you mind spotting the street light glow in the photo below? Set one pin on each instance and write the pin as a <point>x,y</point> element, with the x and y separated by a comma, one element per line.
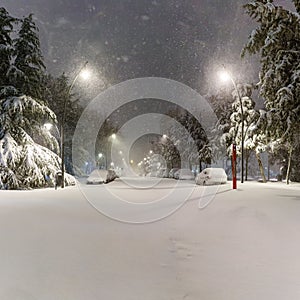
<point>85,74</point>
<point>224,76</point>
<point>113,136</point>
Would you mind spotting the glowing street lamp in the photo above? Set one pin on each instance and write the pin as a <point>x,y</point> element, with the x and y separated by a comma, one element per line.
<point>62,136</point>
<point>85,74</point>
<point>225,76</point>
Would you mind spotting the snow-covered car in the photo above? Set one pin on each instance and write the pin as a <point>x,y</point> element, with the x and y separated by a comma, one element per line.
<point>101,176</point>
<point>184,174</point>
<point>211,176</point>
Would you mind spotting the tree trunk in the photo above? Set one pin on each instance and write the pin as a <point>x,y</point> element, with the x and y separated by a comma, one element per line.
<point>261,168</point>
<point>200,165</point>
<point>289,166</point>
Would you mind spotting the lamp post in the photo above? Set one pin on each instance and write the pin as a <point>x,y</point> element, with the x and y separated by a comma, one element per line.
<point>225,76</point>
<point>62,135</point>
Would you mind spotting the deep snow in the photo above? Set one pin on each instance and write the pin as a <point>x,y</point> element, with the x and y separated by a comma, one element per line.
<point>244,245</point>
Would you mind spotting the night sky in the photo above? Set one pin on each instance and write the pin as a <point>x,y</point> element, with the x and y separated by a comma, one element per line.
<point>187,41</point>
<point>182,40</point>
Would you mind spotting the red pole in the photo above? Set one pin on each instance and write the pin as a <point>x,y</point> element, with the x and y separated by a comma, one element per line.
<point>233,165</point>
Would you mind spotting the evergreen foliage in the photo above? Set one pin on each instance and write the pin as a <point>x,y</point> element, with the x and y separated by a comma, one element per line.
<point>6,44</point>
<point>277,41</point>
<point>28,67</point>
<point>27,149</point>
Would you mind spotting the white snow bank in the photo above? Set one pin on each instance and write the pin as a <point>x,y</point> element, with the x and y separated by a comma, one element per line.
<point>244,245</point>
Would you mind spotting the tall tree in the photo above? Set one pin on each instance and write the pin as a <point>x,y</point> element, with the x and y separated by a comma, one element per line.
<point>6,44</point>
<point>26,156</point>
<point>277,41</point>
<point>28,68</point>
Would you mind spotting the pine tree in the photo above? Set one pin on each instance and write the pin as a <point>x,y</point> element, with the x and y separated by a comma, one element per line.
<point>277,40</point>
<point>28,68</point>
<point>6,45</point>
<point>27,159</point>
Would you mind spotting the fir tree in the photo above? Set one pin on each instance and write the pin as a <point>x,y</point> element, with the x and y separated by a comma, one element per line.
<point>27,149</point>
<point>6,45</point>
<point>28,68</point>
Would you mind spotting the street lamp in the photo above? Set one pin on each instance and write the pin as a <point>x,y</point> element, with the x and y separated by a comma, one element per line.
<point>226,76</point>
<point>62,136</point>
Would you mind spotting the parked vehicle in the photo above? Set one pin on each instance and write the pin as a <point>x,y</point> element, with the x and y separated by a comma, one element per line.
<point>101,176</point>
<point>211,176</point>
<point>184,174</point>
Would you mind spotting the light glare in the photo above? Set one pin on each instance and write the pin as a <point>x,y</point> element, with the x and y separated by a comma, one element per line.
<point>224,76</point>
<point>85,74</point>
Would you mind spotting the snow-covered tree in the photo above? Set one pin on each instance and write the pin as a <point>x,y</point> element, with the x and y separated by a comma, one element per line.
<point>254,138</point>
<point>194,147</point>
<point>277,41</point>
<point>6,44</point>
<point>167,149</point>
<point>27,149</point>
<point>221,102</point>
<point>23,162</point>
<point>28,67</point>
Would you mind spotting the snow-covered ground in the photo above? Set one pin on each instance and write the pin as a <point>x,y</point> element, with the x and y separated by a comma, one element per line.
<point>58,245</point>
